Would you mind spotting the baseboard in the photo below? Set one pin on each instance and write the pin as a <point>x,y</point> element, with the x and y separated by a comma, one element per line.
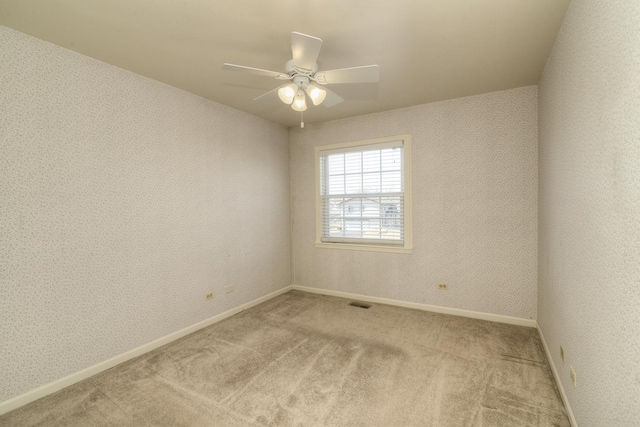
<point>556,376</point>
<point>426,307</point>
<point>46,389</point>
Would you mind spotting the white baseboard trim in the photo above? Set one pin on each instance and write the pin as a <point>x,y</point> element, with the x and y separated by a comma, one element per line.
<point>556,376</point>
<point>52,387</point>
<point>425,307</point>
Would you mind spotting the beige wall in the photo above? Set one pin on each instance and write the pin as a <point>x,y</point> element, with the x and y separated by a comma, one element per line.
<point>122,202</point>
<point>474,206</point>
<point>589,268</point>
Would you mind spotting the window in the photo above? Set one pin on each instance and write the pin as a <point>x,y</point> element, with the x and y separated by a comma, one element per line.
<point>363,195</point>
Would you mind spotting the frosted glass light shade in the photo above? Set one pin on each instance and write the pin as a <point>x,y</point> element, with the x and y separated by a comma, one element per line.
<point>287,93</point>
<point>300,102</point>
<point>316,94</point>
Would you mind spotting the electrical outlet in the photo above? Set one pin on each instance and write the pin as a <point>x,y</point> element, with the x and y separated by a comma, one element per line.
<point>443,286</point>
<point>562,353</point>
<point>573,376</point>
<point>229,289</point>
<point>208,296</point>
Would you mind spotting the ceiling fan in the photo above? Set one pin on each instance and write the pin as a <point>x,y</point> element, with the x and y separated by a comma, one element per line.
<point>304,77</point>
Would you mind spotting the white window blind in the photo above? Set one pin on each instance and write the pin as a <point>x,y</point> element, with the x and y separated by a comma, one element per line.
<point>362,194</point>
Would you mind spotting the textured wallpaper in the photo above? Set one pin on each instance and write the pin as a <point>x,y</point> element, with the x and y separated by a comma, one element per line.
<point>474,206</point>
<point>122,202</point>
<point>589,271</point>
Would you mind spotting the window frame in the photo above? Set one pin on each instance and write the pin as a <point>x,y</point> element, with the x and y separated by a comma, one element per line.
<point>407,246</point>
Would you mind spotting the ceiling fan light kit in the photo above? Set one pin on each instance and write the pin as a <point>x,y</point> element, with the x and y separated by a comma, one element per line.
<point>287,93</point>
<point>316,94</point>
<point>305,78</point>
<point>300,102</point>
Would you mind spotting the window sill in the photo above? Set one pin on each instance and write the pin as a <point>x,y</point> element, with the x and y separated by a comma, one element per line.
<point>370,248</point>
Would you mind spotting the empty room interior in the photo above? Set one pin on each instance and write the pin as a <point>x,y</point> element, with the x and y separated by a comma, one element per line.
<point>320,213</point>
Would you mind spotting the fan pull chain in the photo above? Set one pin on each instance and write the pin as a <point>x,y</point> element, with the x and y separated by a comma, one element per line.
<point>301,120</point>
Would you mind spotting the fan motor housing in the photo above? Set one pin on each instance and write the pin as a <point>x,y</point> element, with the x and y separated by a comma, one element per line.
<point>301,81</point>
<point>292,70</point>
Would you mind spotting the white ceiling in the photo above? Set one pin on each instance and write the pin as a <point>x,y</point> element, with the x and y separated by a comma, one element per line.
<point>428,50</point>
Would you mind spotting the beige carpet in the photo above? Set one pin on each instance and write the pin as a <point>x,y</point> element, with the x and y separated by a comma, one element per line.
<point>305,359</point>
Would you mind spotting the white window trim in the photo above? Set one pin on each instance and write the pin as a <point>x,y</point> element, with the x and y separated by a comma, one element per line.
<point>407,247</point>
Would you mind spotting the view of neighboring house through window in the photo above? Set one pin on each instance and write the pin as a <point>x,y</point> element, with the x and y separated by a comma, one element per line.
<point>362,192</point>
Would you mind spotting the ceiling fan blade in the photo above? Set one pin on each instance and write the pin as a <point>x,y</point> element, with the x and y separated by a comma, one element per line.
<point>257,71</point>
<point>272,95</point>
<point>365,74</point>
<point>331,99</point>
<point>305,50</point>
